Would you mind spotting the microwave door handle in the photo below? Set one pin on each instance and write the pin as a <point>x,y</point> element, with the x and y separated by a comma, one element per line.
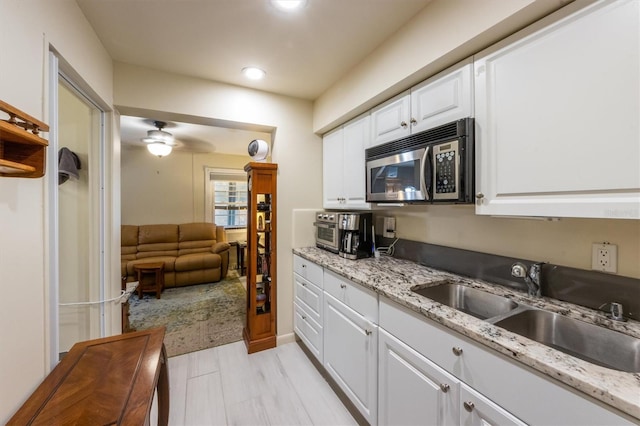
<point>423,183</point>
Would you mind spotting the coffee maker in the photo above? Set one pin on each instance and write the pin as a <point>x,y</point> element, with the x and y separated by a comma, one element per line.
<point>356,235</point>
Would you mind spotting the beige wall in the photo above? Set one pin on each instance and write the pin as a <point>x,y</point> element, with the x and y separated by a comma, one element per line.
<point>565,242</point>
<point>169,189</point>
<point>27,27</point>
<point>296,149</point>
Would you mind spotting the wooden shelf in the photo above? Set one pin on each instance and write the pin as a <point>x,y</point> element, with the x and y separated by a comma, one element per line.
<point>22,150</point>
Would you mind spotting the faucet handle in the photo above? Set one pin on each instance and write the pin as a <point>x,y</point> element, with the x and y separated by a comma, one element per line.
<point>616,311</point>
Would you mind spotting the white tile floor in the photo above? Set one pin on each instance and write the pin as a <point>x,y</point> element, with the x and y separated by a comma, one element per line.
<point>226,386</point>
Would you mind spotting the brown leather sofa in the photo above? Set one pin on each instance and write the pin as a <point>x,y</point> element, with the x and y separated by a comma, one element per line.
<point>193,253</point>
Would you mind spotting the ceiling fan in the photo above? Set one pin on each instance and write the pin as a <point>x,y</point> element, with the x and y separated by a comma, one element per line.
<point>159,142</point>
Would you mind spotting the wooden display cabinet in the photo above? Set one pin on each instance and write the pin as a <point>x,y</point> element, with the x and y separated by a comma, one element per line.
<point>260,330</point>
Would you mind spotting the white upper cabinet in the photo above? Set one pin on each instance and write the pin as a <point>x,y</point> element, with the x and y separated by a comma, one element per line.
<point>445,97</point>
<point>557,117</point>
<point>391,120</point>
<point>343,166</point>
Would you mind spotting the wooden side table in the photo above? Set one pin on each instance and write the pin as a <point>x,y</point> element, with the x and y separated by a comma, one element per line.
<point>108,381</point>
<point>150,278</point>
<point>241,246</point>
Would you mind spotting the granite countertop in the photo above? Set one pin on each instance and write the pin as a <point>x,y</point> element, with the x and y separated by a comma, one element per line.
<point>394,278</point>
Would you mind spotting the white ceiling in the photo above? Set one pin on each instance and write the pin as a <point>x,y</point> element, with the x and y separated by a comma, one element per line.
<point>303,53</point>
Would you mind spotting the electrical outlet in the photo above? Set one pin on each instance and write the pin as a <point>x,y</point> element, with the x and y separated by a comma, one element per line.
<point>604,257</point>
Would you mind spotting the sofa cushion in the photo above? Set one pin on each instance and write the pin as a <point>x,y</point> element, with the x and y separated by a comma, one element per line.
<point>128,242</point>
<point>194,261</point>
<point>157,240</point>
<point>190,232</point>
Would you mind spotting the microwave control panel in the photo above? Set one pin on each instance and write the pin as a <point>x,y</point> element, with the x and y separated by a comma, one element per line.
<point>446,163</point>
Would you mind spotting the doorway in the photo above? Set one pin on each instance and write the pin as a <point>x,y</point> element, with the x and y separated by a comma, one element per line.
<point>76,215</point>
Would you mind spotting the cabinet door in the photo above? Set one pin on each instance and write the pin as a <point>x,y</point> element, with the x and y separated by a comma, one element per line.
<point>443,98</point>
<point>557,132</point>
<point>476,410</point>
<point>411,389</point>
<point>391,120</point>
<point>356,138</point>
<point>351,355</point>
<point>332,167</point>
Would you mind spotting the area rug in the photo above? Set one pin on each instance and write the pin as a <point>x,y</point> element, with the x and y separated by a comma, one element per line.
<point>196,317</point>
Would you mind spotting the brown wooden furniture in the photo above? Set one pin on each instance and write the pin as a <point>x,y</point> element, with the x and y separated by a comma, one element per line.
<point>241,247</point>
<point>22,151</point>
<point>260,330</point>
<point>108,381</point>
<point>150,278</point>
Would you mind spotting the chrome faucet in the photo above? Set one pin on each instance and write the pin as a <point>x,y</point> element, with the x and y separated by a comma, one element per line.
<point>616,311</point>
<point>532,276</point>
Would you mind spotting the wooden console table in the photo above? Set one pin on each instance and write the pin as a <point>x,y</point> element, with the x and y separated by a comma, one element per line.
<point>108,381</point>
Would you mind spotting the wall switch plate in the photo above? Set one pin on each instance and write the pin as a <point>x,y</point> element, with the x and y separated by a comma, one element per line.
<point>604,257</point>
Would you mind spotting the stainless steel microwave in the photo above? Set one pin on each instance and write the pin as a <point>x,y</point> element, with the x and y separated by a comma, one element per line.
<point>433,166</point>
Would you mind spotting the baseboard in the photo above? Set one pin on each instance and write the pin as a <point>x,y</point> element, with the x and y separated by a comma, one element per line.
<point>285,338</point>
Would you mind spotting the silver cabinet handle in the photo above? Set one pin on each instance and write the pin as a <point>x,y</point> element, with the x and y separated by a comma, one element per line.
<point>413,121</point>
<point>457,351</point>
<point>304,266</point>
<point>368,332</point>
<point>304,317</point>
<point>479,195</point>
<point>468,405</point>
<point>403,124</point>
<point>304,284</point>
<point>444,387</point>
<point>343,286</point>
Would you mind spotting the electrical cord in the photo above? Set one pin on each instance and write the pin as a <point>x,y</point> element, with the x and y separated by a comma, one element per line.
<point>123,293</point>
<point>388,251</point>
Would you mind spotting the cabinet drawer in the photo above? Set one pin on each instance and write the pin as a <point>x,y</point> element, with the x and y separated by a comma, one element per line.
<point>307,269</point>
<point>360,299</point>
<point>309,331</point>
<point>308,295</point>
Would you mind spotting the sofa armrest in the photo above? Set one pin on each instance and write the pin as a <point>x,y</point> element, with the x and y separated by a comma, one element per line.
<point>219,247</point>
<point>221,234</point>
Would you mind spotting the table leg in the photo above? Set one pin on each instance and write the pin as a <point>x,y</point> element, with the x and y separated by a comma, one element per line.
<point>163,390</point>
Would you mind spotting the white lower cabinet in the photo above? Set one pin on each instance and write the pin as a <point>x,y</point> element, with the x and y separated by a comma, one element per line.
<point>413,390</point>
<point>351,355</point>
<point>477,410</point>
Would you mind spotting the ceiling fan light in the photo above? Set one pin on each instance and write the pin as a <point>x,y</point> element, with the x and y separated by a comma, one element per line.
<point>253,73</point>
<point>159,149</point>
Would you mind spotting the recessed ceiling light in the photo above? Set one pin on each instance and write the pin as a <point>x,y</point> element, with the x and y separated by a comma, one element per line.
<point>289,5</point>
<point>253,73</point>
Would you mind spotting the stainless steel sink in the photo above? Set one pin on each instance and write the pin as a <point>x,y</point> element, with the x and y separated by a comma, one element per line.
<point>469,300</point>
<point>592,343</point>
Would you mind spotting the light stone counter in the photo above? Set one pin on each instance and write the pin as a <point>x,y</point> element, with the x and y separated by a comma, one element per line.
<point>394,278</point>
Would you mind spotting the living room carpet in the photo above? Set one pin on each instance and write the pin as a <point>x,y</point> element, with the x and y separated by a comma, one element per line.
<point>196,317</point>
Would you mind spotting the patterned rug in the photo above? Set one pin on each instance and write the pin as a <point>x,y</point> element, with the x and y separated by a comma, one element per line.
<point>196,317</point>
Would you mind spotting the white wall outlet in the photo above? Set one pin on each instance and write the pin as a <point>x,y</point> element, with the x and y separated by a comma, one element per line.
<point>604,257</point>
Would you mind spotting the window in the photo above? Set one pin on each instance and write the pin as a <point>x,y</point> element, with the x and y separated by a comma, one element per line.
<point>226,203</point>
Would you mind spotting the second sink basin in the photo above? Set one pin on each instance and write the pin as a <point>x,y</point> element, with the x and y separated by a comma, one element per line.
<point>469,300</point>
<point>588,342</point>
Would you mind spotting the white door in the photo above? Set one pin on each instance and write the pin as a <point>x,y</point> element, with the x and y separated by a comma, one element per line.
<point>413,390</point>
<point>332,167</point>
<point>356,139</point>
<point>391,120</point>
<point>351,355</point>
<point>476,410</point>
<point>557,118</point>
